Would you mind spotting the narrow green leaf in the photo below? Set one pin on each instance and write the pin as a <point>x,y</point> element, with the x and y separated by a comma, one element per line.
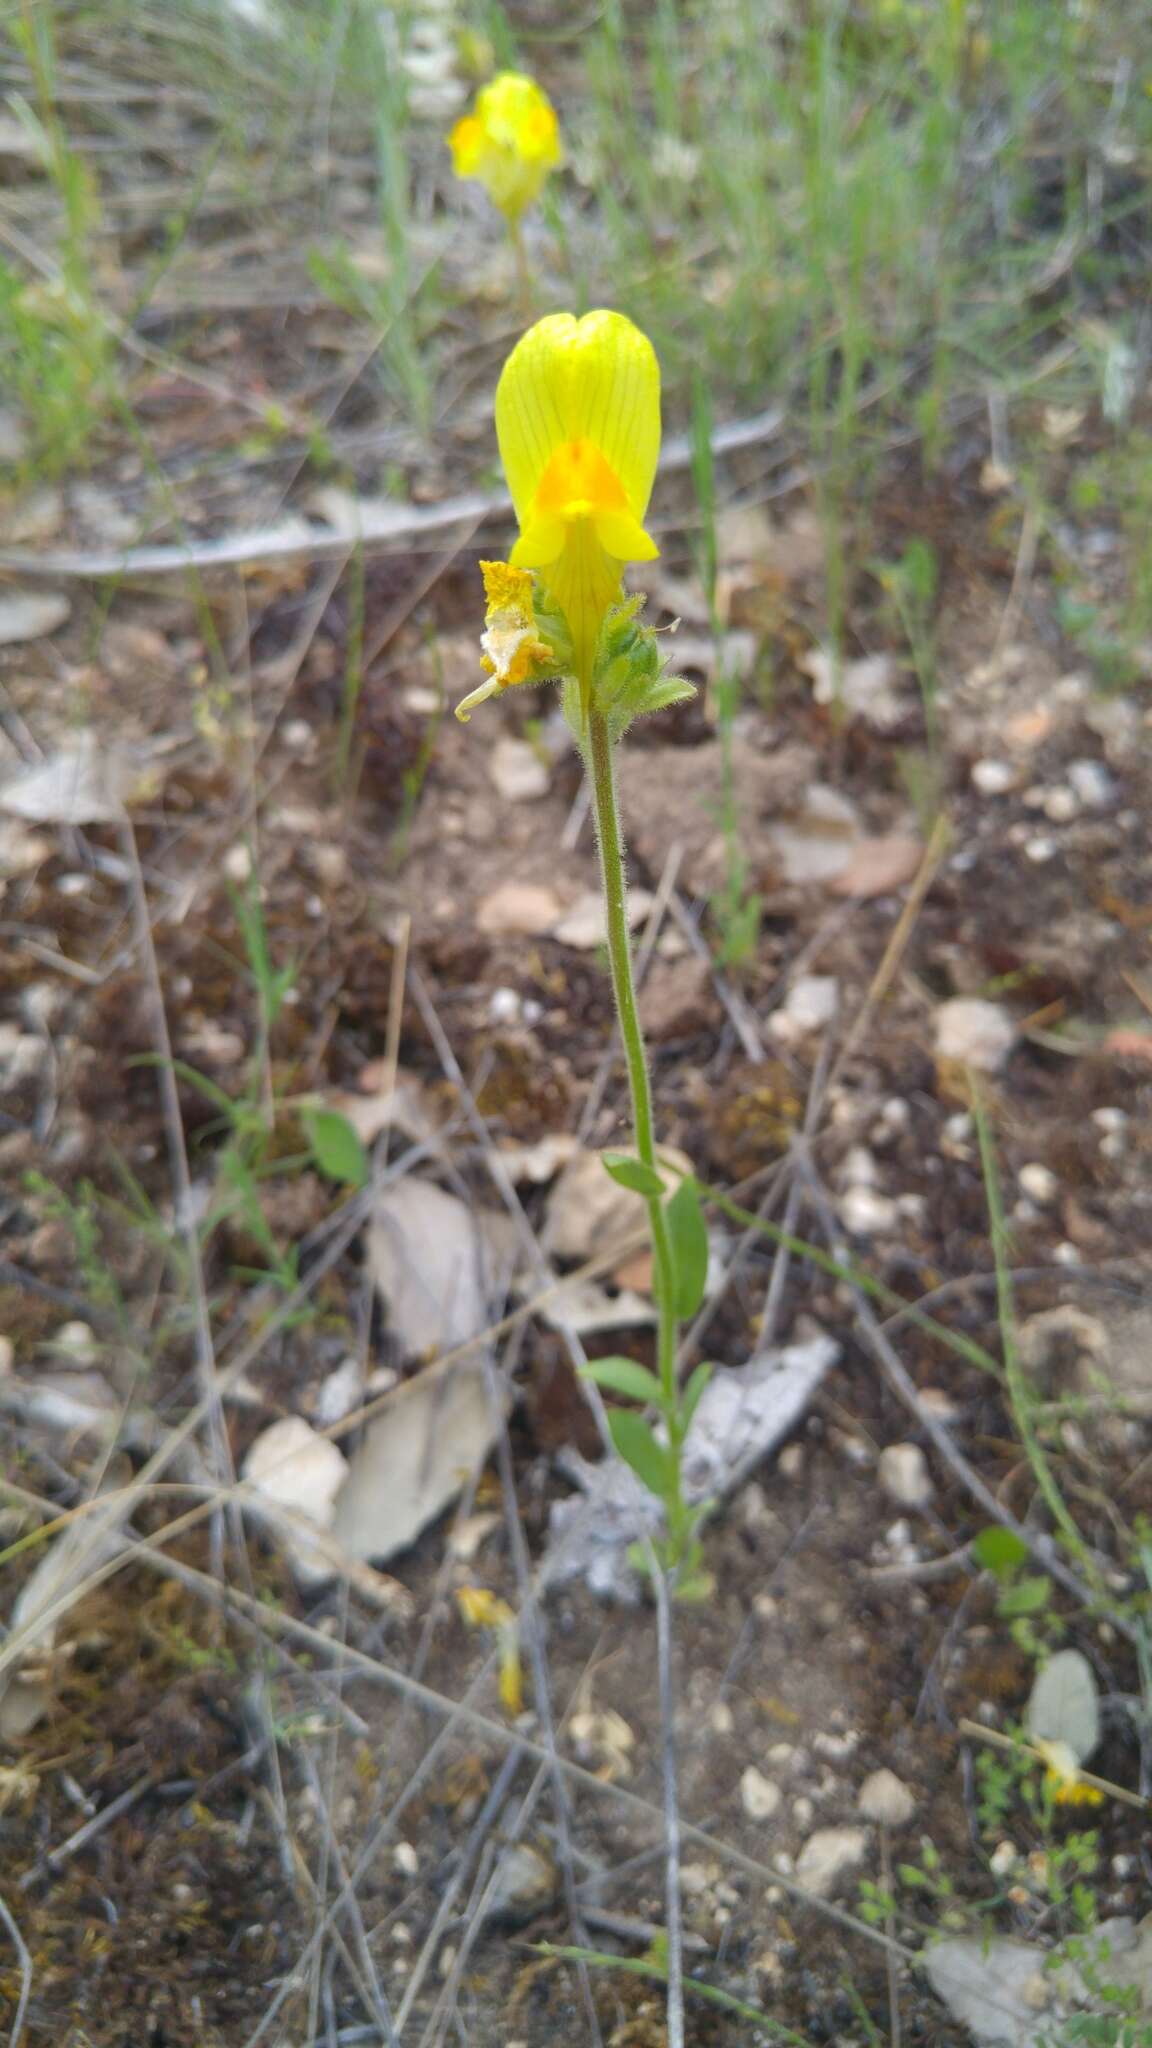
<point>336,1148</point>
<point>999,1550</point>
<point>624,1376</point>
<point>639,1448</point>
<point>632,1173</point>
<point>690,1398</point>
<point>689,1248</point>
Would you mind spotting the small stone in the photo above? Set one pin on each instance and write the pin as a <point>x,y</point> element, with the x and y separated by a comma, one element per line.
<point>956,1134</point>
<point>837,1747</point>
<point>939,1405</point>
<point>405,1859</point>
<point>76,1342</point>
<point>886,1798</point>
<point>803,1811</point>
<point>867,1213</point>
<point>859,1169</point>
<point>298,736</point>
<point>518,772</point>
<point>518,910</point>
<point>678,999</point>
<point>238,863</point>
<point>525,1883</point>
<point>904,1475</point>
<point>1066,1253</point>
<point>1039,1183</point>
<point>977,1033</point>
<point>339,1393</point>
<point>810,1005</point>
<point>1061,806</point>
<point>583,927</point>
<point>1091,783</point>
<point>720,1718</point>
<point>876,867</point>
<point>791,1461</point>
<point>759,1797</point>
<point>1040,850</point>
<point>829,1855</point>
<point>504,1006</point>
<point>993,778</point>
<point>31,615</point>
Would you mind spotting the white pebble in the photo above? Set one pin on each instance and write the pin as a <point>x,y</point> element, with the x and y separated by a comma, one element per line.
<point>802,1811</point>
<point>837,1748</point>
<point>885,1797</point>
<point>956,1135</point>
<point>867,1213</point>
<point>979,1033</point>
<point>759,1797</point>
<point>720,1718</point>
<point>811,1003</point>
<point>504,1006</point>
<point>238,863</point>
<point>405,1859</point>
<point>859,1169</point>
<point>904,1475</point>
<point>828,1855</point>
<point>1092,784</point>
<point>77,1343</point>
<point>1110,1119</point>
<point>1067,1254</point>
<point>1039,1183</point>
<point>939,1405</point>
<point>993,778</point>
<point>1061,805</point>
<point>1040,850</point>
<point>298,735</point>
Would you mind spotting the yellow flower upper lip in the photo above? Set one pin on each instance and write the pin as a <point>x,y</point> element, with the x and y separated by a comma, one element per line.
<point>578,422</point>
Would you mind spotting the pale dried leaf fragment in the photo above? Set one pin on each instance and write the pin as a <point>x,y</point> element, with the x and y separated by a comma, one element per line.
<point>422,1448</point>
<point>31,615</point>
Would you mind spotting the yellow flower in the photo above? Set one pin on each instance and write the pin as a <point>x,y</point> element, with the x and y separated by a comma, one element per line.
<point>1063,1777</point>
<point>513,649</point>
<point>578,422</point>
<point>510,141</point>
<point>482,1609</point>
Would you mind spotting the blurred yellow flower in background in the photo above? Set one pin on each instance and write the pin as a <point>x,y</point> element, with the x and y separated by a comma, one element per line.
<point>1063,1777</point>
<point>510,141</point>
<point>578,423</point>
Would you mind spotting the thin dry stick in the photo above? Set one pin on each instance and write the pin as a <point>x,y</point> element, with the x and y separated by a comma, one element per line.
<point>379,526</point>
<point>893,952</point>
<point>25,1962</point>
<point>976,1732</point>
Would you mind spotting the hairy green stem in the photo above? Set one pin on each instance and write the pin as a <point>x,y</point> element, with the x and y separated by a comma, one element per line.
<point>609,840</point>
